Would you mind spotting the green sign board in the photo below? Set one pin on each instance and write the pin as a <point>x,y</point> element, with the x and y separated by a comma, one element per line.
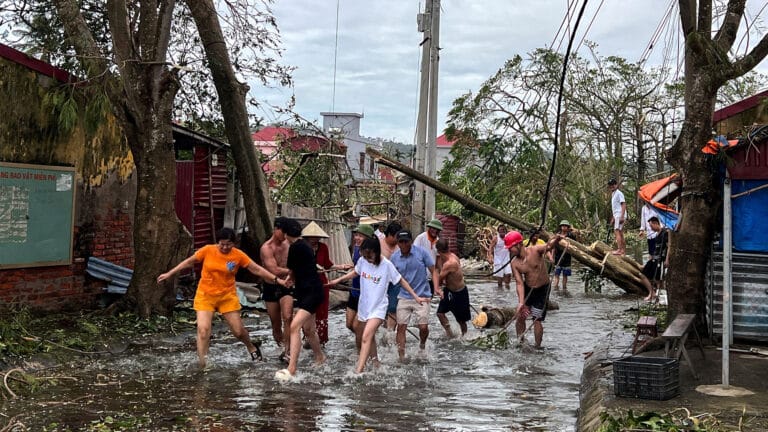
<point>36,215</point>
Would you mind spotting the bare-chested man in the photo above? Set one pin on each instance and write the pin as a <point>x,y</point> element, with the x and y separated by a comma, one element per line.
<point>455,296</point>
<point>532,281</point>
<point>279,301</point>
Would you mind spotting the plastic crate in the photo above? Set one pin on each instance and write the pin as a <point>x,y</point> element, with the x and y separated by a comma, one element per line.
<point>656,378</point>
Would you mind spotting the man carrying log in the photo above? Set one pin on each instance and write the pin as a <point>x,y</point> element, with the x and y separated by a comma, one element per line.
<point>529,269</point>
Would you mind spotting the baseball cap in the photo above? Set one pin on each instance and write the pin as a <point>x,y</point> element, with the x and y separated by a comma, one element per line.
<point>404,235</point>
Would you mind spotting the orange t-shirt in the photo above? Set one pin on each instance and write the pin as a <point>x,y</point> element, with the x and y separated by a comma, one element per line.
<point>218,275</point>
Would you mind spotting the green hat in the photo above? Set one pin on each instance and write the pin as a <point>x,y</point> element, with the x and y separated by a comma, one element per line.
<point>564,222</point>
<point>436,224</point>
<point>364,229</point>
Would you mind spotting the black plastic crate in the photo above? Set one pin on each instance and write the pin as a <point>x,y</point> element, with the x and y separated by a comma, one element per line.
<point>656,378</point>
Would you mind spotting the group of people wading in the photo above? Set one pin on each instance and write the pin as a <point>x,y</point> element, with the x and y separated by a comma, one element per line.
<point>394,278</point>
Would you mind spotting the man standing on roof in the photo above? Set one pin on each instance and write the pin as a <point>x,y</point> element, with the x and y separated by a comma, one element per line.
<point>645,228</point>
<point>532,281</point>
<point>618,216</point>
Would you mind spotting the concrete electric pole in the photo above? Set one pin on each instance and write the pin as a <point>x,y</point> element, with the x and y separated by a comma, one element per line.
<point>426,123</point>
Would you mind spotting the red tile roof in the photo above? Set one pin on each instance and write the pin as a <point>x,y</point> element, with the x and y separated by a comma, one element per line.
<point>272,133</point>
<point>442,141</point>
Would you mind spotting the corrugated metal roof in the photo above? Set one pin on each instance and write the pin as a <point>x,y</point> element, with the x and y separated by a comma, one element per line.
<point>117,277</point>
<point>750,295</point>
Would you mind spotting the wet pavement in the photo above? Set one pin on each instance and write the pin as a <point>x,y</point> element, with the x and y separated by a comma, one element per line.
<point>451,386</point>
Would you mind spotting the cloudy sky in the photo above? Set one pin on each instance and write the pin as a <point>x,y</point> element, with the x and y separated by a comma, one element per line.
<point>377,65</point>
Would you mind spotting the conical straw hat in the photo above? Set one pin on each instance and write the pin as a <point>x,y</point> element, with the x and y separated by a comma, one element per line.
<point>313,230</point>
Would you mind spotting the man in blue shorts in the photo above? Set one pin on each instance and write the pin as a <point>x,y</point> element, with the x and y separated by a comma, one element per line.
<point>563,258</point>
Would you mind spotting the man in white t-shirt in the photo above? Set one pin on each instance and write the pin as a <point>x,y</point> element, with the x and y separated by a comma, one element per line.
<point>618,216</point>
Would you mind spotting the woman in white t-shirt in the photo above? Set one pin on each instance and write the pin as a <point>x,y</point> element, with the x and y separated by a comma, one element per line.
<point>376,273</point>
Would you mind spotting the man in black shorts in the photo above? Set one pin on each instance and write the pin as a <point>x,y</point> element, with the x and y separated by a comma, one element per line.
<point>529,268</point>
<point>274,257</point>
<point>455,295</point>
<point>654,268</point>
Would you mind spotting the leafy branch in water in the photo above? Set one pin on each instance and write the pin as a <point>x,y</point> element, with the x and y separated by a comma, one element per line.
<point>23,334</point>
<point>679,420</point>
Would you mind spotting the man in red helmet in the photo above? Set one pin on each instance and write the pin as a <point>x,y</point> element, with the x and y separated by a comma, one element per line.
<point>532,281</point>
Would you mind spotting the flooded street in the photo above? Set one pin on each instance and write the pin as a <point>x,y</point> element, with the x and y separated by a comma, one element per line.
<point>452,386</point>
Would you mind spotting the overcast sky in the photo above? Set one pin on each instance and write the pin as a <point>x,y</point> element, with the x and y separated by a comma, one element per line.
<point>378,56</point>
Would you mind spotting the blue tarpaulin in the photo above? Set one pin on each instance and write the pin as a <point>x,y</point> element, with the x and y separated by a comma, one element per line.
<point>749,216</point>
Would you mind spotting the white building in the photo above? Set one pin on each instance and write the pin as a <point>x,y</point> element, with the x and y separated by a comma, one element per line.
<point>347,127</point>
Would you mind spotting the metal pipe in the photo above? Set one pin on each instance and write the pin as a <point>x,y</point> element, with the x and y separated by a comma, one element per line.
<point>727,278</point>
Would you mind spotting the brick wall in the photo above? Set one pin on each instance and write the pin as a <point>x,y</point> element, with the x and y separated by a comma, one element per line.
<point>113,238</point>
<point>49,288</point>
<point>103,231</point>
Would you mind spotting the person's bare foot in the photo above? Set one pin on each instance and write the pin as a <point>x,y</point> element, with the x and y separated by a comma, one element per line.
<point>321,360</point>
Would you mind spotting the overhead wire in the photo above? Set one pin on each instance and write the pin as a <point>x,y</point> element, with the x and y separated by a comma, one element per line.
<point>557,121</point>
<point>589,27</point>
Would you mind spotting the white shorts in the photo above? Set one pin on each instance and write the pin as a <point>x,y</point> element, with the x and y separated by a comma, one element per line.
<point>616,224</point>
<point>406,308</point>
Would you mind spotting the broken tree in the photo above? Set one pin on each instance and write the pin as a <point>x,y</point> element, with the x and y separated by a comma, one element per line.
<point>621,270</point>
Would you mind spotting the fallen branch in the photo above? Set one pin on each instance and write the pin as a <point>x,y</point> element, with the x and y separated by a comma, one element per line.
<point>613,267</point>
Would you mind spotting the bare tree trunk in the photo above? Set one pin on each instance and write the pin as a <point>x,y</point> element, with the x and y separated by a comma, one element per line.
<point>142,99</point>
<point>232,93</point>
<point>699,202</point>
<point>707,68</point>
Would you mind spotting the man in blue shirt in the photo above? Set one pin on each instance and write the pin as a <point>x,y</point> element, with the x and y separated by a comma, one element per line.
<point>411,261</point>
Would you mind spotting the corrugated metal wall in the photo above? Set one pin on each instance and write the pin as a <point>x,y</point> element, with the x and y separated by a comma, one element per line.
<point>338,232</point>
<point>750,295</point>
<point>185,173</point>
<point>209,194</point>
<point>454,232</point>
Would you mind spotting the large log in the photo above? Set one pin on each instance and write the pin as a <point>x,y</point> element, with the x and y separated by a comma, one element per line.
<point>499,317</point>
<point>626,276</point>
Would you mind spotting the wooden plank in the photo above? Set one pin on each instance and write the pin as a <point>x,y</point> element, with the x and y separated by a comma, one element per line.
<point>679,326</point>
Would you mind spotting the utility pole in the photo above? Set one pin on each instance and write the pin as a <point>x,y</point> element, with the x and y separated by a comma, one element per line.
<point>434,66</point>
<point>426,123</point>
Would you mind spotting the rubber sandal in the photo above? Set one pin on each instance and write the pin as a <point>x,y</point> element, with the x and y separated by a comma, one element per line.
<point>256,354</point>
<point>285,358</point>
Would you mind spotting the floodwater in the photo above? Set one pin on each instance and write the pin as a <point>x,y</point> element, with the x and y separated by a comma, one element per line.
<point>451,386</point>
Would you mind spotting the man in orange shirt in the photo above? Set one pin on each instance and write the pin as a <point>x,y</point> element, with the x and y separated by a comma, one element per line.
<point>216,289</point>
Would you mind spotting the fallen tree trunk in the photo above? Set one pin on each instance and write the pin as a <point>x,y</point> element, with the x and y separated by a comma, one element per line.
<point>490,317</point>
<point>617,269</point>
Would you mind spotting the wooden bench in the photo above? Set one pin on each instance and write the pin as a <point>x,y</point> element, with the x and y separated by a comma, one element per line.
<point>676,335</point>
<point>646,331</point>
<point>117,277</point>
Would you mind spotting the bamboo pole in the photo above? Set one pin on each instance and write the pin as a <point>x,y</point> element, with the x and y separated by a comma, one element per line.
<point>623,271</point>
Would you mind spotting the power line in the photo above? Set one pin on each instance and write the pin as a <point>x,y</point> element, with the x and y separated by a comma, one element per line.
<point>335,53</point>
<point>557,122</point>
